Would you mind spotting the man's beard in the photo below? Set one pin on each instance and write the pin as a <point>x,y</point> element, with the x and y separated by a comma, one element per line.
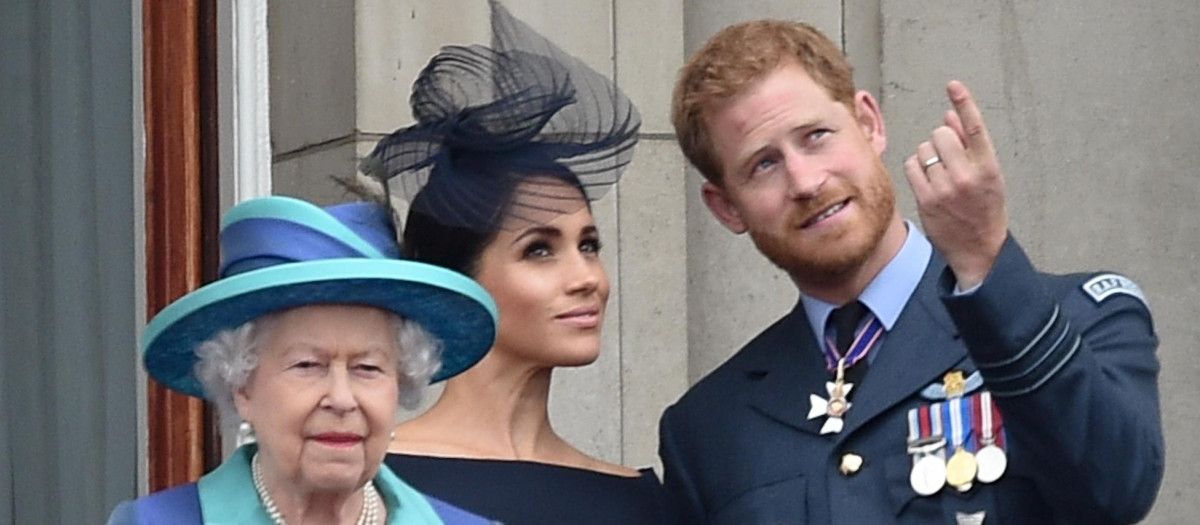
<point>822,262</point>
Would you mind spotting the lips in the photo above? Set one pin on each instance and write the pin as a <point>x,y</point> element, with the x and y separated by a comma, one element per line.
<point>338,439</point>
<point>583,317</point>
<point>826,213</point>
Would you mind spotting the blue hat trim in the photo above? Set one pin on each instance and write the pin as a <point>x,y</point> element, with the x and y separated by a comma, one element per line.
<point>340,256</point>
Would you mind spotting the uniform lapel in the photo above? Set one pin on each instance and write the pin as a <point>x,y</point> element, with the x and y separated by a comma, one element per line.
<point>788,369</point>
<point>918,350</point>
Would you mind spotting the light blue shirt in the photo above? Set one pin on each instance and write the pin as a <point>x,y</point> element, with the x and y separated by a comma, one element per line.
<point>887,294</point>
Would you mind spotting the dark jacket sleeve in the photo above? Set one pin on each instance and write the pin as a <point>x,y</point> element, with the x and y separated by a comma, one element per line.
<point>1075,378</point>
<point>681,491</point>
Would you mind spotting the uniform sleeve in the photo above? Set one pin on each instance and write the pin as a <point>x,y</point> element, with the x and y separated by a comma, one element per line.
<point>681,491</point>
<point>1075,378</point>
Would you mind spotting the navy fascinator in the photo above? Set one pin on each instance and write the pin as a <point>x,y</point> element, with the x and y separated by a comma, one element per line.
<point>500,129</point>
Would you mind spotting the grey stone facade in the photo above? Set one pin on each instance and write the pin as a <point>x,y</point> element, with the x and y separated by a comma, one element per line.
<point>1092,107</point>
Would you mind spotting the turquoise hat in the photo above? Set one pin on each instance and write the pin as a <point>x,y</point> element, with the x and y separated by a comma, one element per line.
<point>279,253</point>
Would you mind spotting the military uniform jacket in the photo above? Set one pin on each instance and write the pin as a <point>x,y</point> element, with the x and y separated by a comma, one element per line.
<point>1072,369</point>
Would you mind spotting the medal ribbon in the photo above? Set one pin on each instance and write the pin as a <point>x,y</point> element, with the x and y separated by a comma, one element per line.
<point>925,435</point>
<point>958,414</point>
<point>935,424</point>
<point>983,418</point>
<point>990,420</point>
<point>867,337</point>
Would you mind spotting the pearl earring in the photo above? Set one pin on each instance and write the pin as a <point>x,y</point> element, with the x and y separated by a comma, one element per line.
<point>245,433</point>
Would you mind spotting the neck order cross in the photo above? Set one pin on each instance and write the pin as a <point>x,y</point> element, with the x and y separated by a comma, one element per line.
<point>840,355</point>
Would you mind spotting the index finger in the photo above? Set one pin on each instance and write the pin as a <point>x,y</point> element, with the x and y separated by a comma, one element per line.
<point>972,120</point>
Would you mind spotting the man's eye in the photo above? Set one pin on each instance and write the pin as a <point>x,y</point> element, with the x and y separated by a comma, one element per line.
<point>764,164</point>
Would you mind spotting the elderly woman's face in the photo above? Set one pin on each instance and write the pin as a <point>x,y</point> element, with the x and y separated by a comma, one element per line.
<point>323,398</point>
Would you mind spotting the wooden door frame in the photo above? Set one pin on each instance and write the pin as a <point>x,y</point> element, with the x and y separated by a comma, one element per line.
<point>182,208</point>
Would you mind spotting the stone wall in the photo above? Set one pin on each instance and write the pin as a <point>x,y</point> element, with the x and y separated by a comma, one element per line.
<point>1092,110</point>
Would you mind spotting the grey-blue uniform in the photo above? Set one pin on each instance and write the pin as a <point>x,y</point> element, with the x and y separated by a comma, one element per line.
<point>1069,360</point>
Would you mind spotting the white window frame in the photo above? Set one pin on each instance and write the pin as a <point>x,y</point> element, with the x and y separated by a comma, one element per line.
<point>244,102</point>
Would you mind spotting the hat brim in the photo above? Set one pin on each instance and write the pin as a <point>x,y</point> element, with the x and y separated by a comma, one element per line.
<point>449,305</point>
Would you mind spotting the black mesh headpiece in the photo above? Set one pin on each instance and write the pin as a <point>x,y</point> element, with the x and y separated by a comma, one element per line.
<point>500,130</point>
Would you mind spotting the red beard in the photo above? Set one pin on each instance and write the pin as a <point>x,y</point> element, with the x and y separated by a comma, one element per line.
<point>840,253</point>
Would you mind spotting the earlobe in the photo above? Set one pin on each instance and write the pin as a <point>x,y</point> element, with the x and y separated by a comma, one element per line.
<point>242,403</point>
<point>719,204</point>
<point>870,120</point>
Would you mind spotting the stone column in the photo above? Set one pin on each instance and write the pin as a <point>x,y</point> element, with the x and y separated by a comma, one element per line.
<point>1092,111</point>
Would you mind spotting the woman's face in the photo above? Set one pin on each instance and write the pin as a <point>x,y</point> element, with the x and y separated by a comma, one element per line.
<point>323,398</point>
<point>550,288</point>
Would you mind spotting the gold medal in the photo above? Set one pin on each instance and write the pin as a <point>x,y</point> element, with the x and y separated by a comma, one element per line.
<point>961,469</point>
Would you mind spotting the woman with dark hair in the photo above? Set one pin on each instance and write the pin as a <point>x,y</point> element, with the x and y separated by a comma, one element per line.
<point>511,144</point>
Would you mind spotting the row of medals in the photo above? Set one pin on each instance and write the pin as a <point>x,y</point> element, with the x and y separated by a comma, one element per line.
<point>931,472</point>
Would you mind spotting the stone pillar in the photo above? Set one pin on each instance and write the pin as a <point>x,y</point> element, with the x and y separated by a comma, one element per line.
<point>1092,110</point>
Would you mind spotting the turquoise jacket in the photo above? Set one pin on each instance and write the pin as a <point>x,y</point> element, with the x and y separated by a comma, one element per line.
<point>226,496</point>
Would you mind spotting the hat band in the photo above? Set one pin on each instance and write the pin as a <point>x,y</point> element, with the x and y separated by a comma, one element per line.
<point>252,244</point>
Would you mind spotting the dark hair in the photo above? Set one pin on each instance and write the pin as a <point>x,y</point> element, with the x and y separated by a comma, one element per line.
<point>428,239</point>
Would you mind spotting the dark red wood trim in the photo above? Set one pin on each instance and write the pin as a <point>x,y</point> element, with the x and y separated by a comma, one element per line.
<point>180,190</point>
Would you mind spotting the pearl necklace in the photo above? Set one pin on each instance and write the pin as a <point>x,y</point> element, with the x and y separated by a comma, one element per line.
<point>368,516</point>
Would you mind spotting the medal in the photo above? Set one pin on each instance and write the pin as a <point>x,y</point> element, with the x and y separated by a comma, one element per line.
<point>928,475</point>
<point>838,390</point>
<point>991,459</point>
<point>992,462</point>
<point>836,406</point>
<point>961,470</point>
<point>961,467</point>
<point>926,444</point>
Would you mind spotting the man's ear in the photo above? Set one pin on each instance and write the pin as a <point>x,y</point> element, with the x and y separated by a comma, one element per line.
<point>870,121</point>
<point>717,200</point>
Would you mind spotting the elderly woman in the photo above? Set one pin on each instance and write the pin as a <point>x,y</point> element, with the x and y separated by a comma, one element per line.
<point>313,337</point>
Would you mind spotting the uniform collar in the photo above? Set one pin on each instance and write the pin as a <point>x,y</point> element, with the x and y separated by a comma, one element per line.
<point>889,291</point>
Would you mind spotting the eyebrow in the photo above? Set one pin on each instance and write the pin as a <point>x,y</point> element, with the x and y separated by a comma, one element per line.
<point>551,231</point>
<point>306,348</point>
<point>745,162</point>
<point>548,231</point>
<point>809,124</point>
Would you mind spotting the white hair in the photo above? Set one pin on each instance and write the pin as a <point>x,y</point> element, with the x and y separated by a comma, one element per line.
<point>226,361</point>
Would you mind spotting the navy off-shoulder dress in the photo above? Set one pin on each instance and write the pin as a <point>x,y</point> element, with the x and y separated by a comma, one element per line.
<point>529,493</point>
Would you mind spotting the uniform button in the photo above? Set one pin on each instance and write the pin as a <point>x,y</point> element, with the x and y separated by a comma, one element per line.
<point>851,463</point>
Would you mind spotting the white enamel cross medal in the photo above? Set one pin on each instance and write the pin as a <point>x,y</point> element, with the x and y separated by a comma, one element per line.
<point>836,406</point>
